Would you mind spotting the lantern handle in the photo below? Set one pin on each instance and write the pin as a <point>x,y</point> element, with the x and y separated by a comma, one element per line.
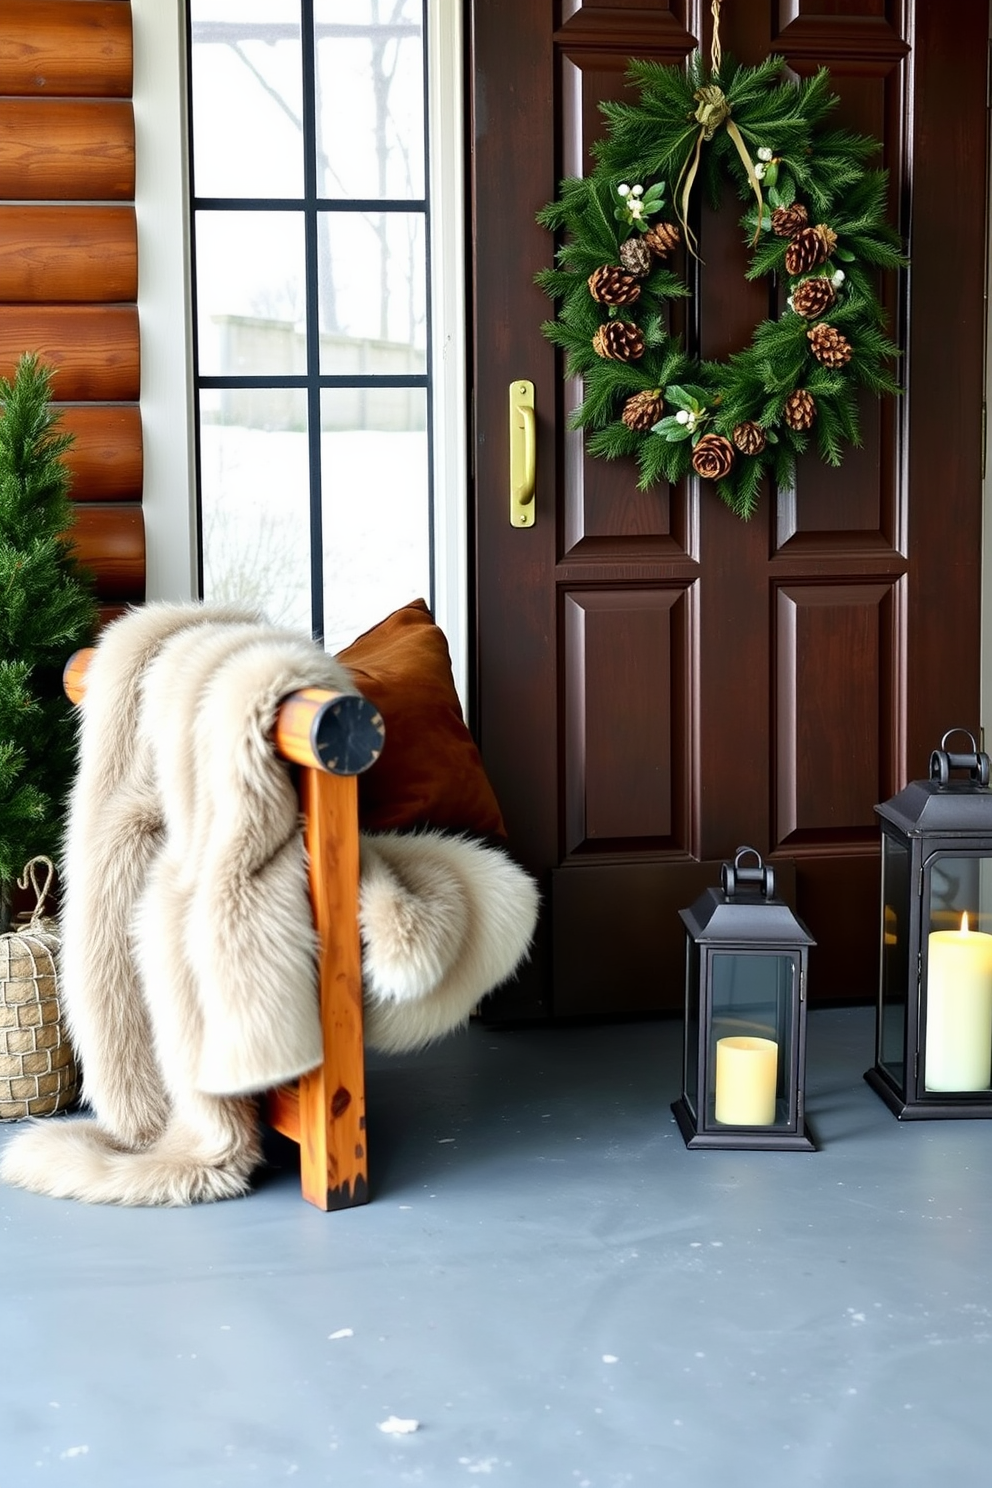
<point>942,761</point>
<point>734,876</point>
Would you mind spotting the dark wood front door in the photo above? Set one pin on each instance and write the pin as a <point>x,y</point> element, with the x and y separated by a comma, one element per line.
<point>659,682</point>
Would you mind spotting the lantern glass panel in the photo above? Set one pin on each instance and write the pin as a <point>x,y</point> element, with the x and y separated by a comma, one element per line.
<point>751,1007</point>
<point>957,973</point>
<point>690,1081</point>
<point>895,957</point>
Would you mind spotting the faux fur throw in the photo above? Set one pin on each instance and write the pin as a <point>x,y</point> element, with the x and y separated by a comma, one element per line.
<point>188,970</point>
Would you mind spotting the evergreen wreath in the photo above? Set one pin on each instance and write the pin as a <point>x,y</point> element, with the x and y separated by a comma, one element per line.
<point>815,219</point>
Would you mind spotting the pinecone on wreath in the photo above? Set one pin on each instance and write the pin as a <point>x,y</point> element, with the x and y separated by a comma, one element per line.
<point>800,410</point>
<point>619,341</point>
<point>38,1071</point>
<point>643,410</point>
<point>713,457</point>
<point>809,247</point>
<point>813,297</point>
<point>636,257</point>
<point>787,221</point>
<point>663,238</point>
<point>749,438</point>
<point>829,346</point>
<point>612,286</point>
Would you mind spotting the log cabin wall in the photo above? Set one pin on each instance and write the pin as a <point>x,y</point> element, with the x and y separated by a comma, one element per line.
<point>69,259</point>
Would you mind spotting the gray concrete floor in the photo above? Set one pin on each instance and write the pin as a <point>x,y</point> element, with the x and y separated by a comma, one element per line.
<point>546,1281</point>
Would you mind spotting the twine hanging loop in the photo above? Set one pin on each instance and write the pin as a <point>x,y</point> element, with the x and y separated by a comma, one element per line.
<point>716,51</point>
<point>713,112</point>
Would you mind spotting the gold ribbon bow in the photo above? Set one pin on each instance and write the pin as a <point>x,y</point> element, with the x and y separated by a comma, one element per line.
<point>713,111</point>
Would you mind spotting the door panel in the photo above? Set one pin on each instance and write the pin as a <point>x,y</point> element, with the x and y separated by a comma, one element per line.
<point>860,512</point>
<point>685,682</point>
<point>626,687</point>
<point>834,646</point>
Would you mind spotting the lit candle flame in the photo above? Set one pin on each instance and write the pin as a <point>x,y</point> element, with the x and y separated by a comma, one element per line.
<point>964,924</point>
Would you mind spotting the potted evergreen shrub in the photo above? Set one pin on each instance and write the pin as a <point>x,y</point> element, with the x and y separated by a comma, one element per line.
<point>47,610</point>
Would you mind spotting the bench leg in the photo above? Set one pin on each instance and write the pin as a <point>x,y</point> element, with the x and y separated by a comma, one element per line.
<point>333,1147</point>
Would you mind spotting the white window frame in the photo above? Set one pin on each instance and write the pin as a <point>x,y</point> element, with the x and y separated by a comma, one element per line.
<point>162,202</point>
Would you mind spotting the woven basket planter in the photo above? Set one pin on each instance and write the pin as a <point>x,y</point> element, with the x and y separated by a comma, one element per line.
<point>38,1071</point>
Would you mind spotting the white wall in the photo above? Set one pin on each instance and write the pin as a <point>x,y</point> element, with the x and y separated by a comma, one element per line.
<point>163,297</point>
<point>445,132</point>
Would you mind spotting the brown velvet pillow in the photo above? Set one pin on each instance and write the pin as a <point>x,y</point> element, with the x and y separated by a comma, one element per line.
<point>430,772</point>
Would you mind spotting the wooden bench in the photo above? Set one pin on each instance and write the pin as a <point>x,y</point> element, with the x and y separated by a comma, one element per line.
<point>332,737</point>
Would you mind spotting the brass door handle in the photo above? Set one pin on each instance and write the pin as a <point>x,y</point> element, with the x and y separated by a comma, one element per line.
<point>523,454</point>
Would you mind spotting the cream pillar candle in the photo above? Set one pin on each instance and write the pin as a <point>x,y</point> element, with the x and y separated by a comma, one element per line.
<point>959,1010</point>
<point>746,1081</point>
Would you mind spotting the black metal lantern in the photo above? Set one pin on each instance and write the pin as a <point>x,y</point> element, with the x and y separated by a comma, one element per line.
<point>933,1029</point>
<point>745,1015</point>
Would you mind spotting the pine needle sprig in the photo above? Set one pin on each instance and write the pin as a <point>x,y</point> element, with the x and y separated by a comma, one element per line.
<point>659,460</point>
<point>617,380</point>
<point>742,494</point>
<point>613,443</point>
